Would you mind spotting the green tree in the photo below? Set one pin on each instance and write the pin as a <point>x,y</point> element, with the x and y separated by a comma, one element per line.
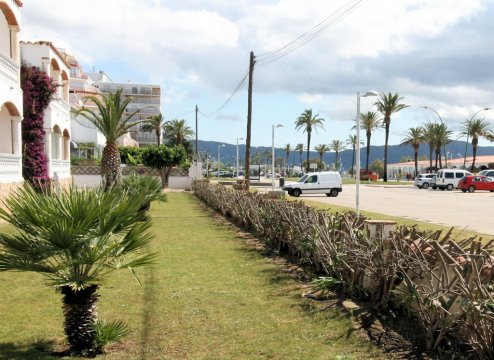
<point>337,146</point>
<point>321,149</point>
<point>414,137</point>
<point>308,122</point>
<point>177,132</point>
<point>369,122</point>
<point>300,149</point>
<point>287,150</point>
<point>352,142</point>
<point>155,124</point>
<point>163,158</point>
<point>441,137</point>
<point>388,105</point>
<point>476,128</point>
<point>75,239</point>
<point>378,167</point>
<point>111,119</point>
<point>428,136</point>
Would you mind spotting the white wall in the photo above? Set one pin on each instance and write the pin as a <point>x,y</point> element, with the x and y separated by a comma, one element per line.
<point>91,181</point>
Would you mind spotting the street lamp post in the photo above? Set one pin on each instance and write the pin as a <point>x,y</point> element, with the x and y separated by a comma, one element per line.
<point>272,154</point>
<point>357,160</point>
<point>444,140</point>
<point>237,154</point>
<point>219,147</point>
<point>468,134</point>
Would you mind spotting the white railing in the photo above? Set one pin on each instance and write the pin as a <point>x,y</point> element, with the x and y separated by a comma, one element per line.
<point>61,167</point>
<point>9,70</point>
<point>10,168</point>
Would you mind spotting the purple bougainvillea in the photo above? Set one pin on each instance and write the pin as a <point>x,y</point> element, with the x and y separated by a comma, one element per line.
<point>38,90</point>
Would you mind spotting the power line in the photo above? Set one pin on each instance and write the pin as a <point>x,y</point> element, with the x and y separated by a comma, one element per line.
<point>313,33</point>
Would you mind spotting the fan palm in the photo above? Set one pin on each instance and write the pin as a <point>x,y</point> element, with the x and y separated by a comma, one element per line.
<point>414,137</point>
<point>336,146</point>
<point>177,132</point>
<point>369,122</point>
<point>112,120</point>
<point>155,123</point>
<point>387,105</point>
<point>300,149</point>
<point>75,239</point>
<point>308,122</point>
<point>321,149</point>
<point>476,128</point>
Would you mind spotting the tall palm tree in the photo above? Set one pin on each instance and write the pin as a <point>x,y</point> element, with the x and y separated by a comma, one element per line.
<point>300,149</point>
<point>321,149</point>
<point>287,150</point>
<point>387,105</point>
<point>352,142</point>
<point>429,137</point>
<point>155,123</point>
<point>414,137</point>
<point>308,122</point>
<point>442,137</point>
<point>369,122</point>
<point>177,131</point>
<point>476,128</point>
<point>111,119</point>
<point>337,146</point>
<point>75,239</point>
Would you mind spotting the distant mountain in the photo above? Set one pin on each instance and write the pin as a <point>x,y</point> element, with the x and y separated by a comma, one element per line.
<point>455,149</point>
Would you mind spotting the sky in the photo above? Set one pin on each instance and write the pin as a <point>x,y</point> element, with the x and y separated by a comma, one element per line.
<point>435,53</point>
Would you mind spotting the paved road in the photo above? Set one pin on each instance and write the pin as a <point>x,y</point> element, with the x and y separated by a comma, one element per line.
<point>450,208</point>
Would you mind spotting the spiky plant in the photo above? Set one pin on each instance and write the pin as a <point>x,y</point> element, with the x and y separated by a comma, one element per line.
<point>75,239</point>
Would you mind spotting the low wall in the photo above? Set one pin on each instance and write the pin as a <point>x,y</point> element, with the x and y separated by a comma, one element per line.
<point>5,190</point>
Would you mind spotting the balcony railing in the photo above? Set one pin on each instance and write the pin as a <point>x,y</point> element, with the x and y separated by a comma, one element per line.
<point>9,70</point>
<point>61,167</point>
<point>10,168</point>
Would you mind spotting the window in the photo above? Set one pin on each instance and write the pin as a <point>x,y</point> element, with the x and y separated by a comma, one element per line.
<point>459,175</point>
<point>449,175</point>
<point>312,179</point>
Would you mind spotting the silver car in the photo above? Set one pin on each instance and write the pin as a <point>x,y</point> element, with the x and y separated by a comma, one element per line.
<point>423,181</point>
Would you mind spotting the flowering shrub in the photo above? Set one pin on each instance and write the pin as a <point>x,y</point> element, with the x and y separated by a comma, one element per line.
<point>38,90</point>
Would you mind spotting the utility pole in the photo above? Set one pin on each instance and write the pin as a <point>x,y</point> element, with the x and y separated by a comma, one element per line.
<point>197,151</point>
<point>249,121</point>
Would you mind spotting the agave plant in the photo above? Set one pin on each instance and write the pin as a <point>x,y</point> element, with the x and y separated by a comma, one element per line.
<point>75,239</point>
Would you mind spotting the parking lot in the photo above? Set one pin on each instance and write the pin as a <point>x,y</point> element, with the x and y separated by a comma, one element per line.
<point>472,211</point>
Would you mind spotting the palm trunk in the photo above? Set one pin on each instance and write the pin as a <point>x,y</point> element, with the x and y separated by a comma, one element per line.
<point>385,177</point>
<point>80,315</point>
<point>110,165</point>
<point>416,155</point>
<point>308,151</point>
<point>475,141</point>
<point>368,135</point>
<point>353,161</point>
<point>430,157</point>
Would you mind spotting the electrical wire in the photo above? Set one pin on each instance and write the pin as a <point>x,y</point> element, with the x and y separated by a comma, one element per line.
<point>313,33</point>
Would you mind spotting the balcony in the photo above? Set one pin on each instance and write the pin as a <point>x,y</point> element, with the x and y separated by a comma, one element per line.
<point>9,70</point>
<point>10,168</point>
<point>61,167</point>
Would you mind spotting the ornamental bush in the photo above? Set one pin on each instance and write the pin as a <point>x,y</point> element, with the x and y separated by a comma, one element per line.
<point>38,90</point>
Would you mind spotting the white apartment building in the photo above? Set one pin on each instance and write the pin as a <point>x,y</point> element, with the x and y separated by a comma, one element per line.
<point>45,55</point>
<point>145,97</point>
<point>11,109</point>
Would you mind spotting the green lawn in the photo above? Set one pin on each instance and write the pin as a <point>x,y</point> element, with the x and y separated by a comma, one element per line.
<point>209,296</point>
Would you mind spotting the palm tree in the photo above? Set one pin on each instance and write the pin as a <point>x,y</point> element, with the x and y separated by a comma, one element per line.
<point>112,121</point>
<point>369,123</point>
<point>155,123</point>
<point>300,149</point>
<point>428,136</point>
<point>336,146</point>
<point>321,149</point>
<point>442,137</point>
<point>476,128</point>
<point>177,131</point>
<point>414,138</point>
<point>75,239</point>
<point>287,149</point>
<point>388,105</point>
<point>308,122</point>
<point>352,142</point>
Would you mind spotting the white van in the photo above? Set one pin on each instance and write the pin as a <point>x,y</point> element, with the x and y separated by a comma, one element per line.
<point>327,182</point>
<point>449,178</point>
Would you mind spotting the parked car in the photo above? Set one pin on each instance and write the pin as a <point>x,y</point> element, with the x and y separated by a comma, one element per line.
<point>476,182</point>
<point>489,173</point>
<point>226,174</point>
<point>449,178</point>
<point>368,175</point>
<point>423,181</point>
<point>276,175</point>
<point>326,182</point>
